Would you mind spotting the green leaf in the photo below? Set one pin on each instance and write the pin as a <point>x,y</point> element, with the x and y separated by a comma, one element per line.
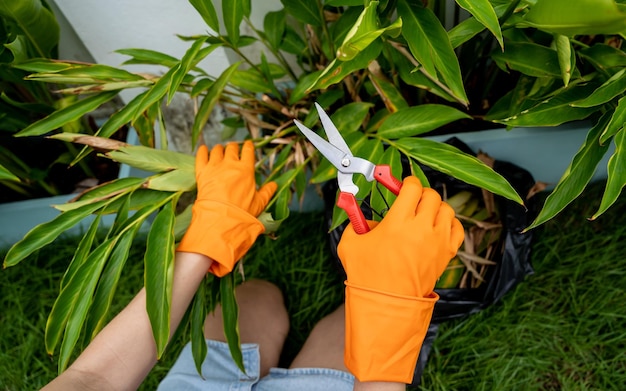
<point>86,74</point>
<point>67,114</point>
<point>147,56</point>
<point>603,57</point>
<point>176,180</point>
<point>483,11</point>
<point>209,101</point>
<point>349,118</point>
<point>576,176</point>
<point>586,17</point>
<point>153,160</point>
<point>42,65</point>
<point>207,12</point>
<point>450,160</point>
<point>618,119</point>
<point>70,309</point>
<point>418,120</point>
<point>613,87</point>
<point>102,192</point>
<point>6,175</point>
<point>229,316</point>
<point>192,56</point>
<point>530,59</point>
<point>45,233</point>
<point>303,84</point>
<point>305,11</point>
<point>555,110</point>
<point>34,22</point>
<point>429,43</point>
<point>336,71</point>
<point>232,11</point>
<point>381,197</point>
<point>616,172</point>
<point>363,32</point>
<point>391,96</point>
<point>82,251</point>
<point>567,57</point>
<point>108,282</point>
<point>154,94</point>
<point>274,27</point>
<point>159,272</point>
<point>198,316</point>
<point>464,31</point>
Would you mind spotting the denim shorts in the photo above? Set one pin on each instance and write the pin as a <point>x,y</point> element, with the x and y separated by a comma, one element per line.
<point>219,372</point>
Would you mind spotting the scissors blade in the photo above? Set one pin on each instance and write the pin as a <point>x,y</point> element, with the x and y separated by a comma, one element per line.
<point>331,131</point>
<point>332,153</point>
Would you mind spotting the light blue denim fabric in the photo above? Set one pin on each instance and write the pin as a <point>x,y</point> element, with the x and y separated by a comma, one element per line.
<point>221,373</point>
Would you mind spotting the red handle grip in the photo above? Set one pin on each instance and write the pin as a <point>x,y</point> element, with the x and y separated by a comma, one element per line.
<point>347,202</point>
<point>382,174</point>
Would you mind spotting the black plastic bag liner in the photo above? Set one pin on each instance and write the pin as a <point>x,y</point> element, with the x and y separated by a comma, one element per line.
<point>512,262</point>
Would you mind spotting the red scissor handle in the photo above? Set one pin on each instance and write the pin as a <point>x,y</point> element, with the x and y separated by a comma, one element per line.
<point>382,174</point>
<point>347,202</point>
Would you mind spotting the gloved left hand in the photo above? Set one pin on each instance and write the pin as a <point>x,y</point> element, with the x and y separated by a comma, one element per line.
<point>224,222</point>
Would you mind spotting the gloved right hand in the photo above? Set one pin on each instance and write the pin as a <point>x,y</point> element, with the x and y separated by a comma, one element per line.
<point>391,273</point>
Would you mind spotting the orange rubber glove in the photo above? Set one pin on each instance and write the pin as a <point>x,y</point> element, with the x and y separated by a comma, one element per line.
<point>392,271</point>
<point>224,222</point>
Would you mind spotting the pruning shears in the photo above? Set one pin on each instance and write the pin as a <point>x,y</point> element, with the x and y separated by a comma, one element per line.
<point>338,153</point>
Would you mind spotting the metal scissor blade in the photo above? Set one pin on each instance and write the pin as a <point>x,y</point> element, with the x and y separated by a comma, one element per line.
<point>332,153</point>
<point>331,130</point>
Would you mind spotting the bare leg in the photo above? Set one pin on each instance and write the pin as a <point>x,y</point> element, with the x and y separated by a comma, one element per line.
<point>263,320</point>
<point>324,347</point>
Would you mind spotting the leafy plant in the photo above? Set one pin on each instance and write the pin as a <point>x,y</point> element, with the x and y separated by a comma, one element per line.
<point>387,70</point>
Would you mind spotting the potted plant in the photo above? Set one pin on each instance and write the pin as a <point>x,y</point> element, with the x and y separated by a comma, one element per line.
<point>388,71</point>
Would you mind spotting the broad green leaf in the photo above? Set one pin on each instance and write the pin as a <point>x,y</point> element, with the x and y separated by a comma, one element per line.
<point>451,161</point>
<point>363,32</point>
<point>198,316</point>
<point>418,120</point>
<point>530,59</point>
<point>140,199</point>
<point>102,192</point>
<point>349,118</point>
<point>45,233</point>
<point>153,160</point>
<point>429,43</point>
<point>418,79</point>
<point>618,119</point>
<point>67,114</point>
<point>86,74</point>
<point>34,22</point>
<point>483,11</point>
<point>464,31</point>
<point>305,11</point>
<point>176,180</point>
<point>82,251</point>
<point>555,110</point>
<point>251,80</point>
<point>567,57</point>
<point>292,42</point>
<point>192,56</point>
<point>616,173</point>
<point>303,84</point>
<point>6,175</point>
<point>207,12</point>
<point>232,12</point>
<point>230,316</point>
<point>121,117</point>
<point>159,272</point>
<point>155,93</point>
<point>209,101</point>
<point>336,71</point>
<point>108,283</point>
<point>42,65</point>
<point>391,96</point>
<point>274,27</point>
<point>585,17</point>
<point>604,57</point>
<point>576,176</point>
<point>71,306</point>
<point>417,171</point>
<point>147,56</point>
<point>613,87</point>
<point>145,123</point>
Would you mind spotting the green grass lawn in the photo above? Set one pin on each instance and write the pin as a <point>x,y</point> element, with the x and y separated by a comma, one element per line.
<point>563,328</point>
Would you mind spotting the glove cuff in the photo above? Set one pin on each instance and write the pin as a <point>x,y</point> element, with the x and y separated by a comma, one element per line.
<point>384,333</point>
<point>222,232</point>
